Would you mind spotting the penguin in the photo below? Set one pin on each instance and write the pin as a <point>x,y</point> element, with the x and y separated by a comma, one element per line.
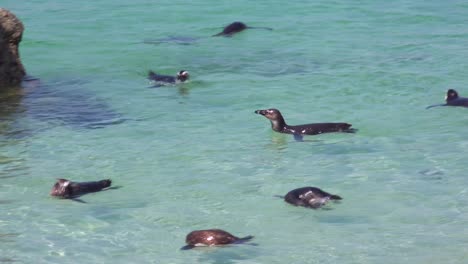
<point>182,76</point>
<point>452,99</point>
<point>212,237</point>
<point>311,197</point>
<point>236,27</point>
<point>278,124</point>
<point>67,189</point>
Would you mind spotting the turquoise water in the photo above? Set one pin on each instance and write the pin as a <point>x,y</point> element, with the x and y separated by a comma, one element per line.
<point>195,156</point>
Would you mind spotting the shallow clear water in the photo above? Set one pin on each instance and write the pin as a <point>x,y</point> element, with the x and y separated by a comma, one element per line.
<point>195,156</point>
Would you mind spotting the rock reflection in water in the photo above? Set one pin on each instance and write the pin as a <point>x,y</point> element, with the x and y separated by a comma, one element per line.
<point>53,104</point>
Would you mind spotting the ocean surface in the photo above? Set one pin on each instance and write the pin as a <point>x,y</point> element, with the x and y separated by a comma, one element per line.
<point>195,156</point>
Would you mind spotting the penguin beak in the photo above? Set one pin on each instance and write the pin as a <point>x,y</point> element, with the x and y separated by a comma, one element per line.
<point>260,112</point>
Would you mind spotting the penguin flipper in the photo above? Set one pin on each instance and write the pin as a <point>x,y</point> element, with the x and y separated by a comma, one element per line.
<point>78,200</point>
<point>244,239</point>
<point>298,137</point>
<point>431,106</point>
<point>187,247</point>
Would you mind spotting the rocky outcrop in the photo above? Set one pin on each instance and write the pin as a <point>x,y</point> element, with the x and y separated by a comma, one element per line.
<point>11,32</point>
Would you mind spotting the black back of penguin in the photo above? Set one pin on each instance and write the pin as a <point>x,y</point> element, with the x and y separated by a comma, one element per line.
<point>231,29</point>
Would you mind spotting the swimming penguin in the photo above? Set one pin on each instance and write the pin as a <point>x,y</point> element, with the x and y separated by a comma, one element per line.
<point>311,197</point>
<point>212,237</point>
<point>236,27</point>
<point>279,125</point>
<point>68,190</point>
<point>181,76</point>
<point>228,31</point>
<point>452,99</point>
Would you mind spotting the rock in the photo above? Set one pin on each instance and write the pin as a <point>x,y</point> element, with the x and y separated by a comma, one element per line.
<point>11,32</point>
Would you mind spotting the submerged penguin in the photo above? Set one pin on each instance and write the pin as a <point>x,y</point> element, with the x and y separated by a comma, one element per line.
<point>68,190</point>
<point>452,99</point>
<point>279,125</point>
<point>236,27</point>
<point>311,197</point>
<point>181,76</point>
<point>212,237</point>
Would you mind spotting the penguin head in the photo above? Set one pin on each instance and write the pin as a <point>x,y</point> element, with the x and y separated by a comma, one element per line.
<point>61,188</point>
<point>272,114</point>
<point>105,183</point>
<point>451,95</point>
<point>183,76</point>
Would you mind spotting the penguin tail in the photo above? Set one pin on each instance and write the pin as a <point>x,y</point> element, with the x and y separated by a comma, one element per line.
<point>350,130</point>
<point>266,28</point>
<point>245,239</point>
<point>335,197</point>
